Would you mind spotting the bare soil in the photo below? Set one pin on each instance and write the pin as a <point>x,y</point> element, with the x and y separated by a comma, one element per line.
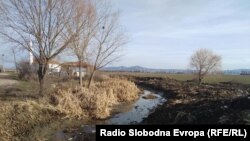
<point>6,81</point>
<point>224,103</point>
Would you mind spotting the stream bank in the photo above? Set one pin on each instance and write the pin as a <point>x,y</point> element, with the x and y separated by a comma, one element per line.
<point>125,113</point>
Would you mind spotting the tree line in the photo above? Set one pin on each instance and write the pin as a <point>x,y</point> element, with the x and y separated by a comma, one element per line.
<point>89,29</point>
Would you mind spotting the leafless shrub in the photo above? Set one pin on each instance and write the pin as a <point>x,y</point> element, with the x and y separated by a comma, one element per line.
<point>101,77</point>
<point>26,71</point>
<point>204,61</point>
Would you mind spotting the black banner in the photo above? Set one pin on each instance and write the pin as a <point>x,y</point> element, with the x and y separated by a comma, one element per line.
<point>166,132</point>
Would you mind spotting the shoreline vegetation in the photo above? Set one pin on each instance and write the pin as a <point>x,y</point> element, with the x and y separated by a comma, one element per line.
<point>19,118</point>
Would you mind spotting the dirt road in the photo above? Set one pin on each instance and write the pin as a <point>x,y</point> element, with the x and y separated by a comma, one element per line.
<point>5,81</point>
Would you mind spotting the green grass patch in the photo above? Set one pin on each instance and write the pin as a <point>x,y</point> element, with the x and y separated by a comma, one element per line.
<point>213,79</point>
<point>227,78</point>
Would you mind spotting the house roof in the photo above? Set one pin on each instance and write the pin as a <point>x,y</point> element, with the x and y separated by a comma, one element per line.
<point>75,64</point>
<point>54,62</point>
<point>50,62</point>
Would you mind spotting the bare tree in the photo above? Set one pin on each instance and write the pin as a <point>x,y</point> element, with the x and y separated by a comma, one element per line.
<point>204,61</point>
<point>108,40</point>
<point>85,20</point>
<point>41,21</point>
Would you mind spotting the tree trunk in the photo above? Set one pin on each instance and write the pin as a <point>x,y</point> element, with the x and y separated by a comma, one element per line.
<point>91,78</point>
<point>199,81</point>
<point>199,78</point>
<point>80,72</point>
<point>41,76</point>
<point>41,86</point>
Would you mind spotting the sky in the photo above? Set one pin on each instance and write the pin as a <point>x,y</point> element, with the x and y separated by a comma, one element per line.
<point>165,33</point>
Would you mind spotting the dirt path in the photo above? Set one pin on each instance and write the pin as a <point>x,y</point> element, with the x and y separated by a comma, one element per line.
<point>4,81</point>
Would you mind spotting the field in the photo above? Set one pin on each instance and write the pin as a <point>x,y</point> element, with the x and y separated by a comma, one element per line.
<point>212,79</point>
<point>212,102</point>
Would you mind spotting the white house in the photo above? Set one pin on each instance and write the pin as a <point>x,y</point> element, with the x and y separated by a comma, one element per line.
<point>68,68</point>
<point>54,66</point>
<point>72,68</point>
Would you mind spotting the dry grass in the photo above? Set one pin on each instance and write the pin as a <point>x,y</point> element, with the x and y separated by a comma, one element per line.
<point>19,118</point>
<point>96,101</point>
<point>111,92</point>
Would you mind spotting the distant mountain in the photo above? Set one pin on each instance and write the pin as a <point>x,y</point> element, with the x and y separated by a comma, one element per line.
<point>144,69</point>
<point>237,71</point>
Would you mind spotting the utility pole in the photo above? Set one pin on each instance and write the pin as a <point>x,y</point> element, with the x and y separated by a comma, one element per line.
<point>2,63</point>
<point>14,53</point>
<point>31,57</point>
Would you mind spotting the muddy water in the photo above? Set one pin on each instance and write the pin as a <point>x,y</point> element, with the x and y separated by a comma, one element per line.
<point>134,112</point>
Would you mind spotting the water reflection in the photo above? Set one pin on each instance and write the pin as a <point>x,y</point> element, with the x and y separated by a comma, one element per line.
<point>134,112</point>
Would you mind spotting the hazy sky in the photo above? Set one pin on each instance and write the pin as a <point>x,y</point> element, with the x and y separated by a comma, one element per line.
<point>165,33</point>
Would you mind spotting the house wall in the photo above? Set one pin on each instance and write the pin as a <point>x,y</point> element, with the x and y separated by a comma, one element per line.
<point>75,71</point>
<point>55,68</point>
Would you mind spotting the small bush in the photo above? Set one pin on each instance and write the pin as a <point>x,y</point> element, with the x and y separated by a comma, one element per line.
<point>100,77</point>
<point>26,71</point>
<point>97,77</point>
<point>67,104</point>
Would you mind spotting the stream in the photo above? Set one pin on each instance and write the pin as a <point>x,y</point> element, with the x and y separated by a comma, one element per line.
<point>125,113</point>
<point>135,112</point>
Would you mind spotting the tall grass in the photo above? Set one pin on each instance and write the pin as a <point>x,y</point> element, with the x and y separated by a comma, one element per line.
<point>18,118</point>
<point>96,101</point>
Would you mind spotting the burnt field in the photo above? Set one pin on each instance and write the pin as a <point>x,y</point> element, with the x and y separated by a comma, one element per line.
<point>188,103</point>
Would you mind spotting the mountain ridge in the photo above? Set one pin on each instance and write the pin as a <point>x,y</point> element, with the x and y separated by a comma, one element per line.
<point>146,69</point>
